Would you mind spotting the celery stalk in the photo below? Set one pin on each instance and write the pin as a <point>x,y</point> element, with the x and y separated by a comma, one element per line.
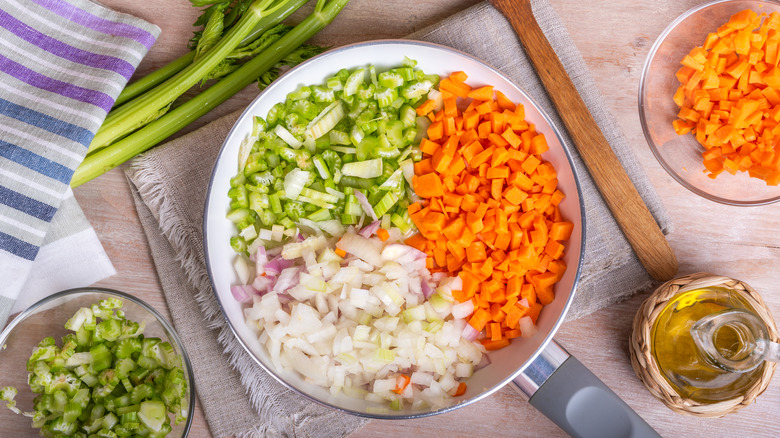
<point>117,153</point>
<point>157,77</point>
<point>128,117</point>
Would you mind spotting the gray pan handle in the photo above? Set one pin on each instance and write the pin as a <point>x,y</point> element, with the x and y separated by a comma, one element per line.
<point>561,388</point>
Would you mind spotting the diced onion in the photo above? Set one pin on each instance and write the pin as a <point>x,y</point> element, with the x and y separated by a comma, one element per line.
<point>359,324</point>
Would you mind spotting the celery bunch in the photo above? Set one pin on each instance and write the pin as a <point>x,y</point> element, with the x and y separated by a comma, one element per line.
<point>242,42</point>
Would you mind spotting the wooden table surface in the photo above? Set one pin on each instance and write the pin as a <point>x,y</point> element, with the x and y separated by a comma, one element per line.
<point>614,37</point>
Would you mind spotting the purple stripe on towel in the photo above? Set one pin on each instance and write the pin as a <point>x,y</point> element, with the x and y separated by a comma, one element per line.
<point>65,51</point>
<point>13,68</point>
<point>84,18</point>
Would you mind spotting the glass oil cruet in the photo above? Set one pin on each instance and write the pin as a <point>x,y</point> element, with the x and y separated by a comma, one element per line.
<point>710,345</point>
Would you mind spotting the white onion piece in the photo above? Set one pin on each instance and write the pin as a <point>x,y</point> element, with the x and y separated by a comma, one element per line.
<point>243,270</point>
<point>287,279</point>
<point>366,249</point>
<point>367,208</point>
<point>369,229</point>
<point>462,310</point>
<point>469,332</point>
<point>527,327</point>
<point>427,290</point>
<point>242,293</point>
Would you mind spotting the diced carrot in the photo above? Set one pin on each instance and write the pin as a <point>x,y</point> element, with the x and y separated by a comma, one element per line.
<point>428,185</point>
<point>490,211</point>
<point>402,381</point>
<point>726,77</point>
<point>479,319</point>
<point>426,107</point>
<point>482,93</point>
<point>491,345</point>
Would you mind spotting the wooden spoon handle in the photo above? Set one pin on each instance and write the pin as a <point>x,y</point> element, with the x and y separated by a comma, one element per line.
<point>615,186</point>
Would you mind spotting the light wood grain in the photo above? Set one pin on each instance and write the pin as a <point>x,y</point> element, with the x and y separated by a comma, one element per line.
<point>614,37</point>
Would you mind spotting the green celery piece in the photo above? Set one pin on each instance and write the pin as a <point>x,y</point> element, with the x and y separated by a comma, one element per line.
<point>384,204</point>
<point>126,347</point>
<point>101,357</point>
<point>108,377</point>
<point>64,381</point>
<point>7,394</point>
<point>89,379</point>
<point>123,411</point>
<point>122,150</point>
<point>110,420</point>
<point>72,412</point>
<point>83,315</point>
<point>153,414</point>
<point>108,329</point>
<point>84,337</point>
<point>165,356</point>
<point>135,113</point>
<point>123,367</point>
<point>363,169</point>
<point>212,31</point>
<point>141,392</point>
<point>61,426</point>
<point>146,363</point>
<point>81,397</point>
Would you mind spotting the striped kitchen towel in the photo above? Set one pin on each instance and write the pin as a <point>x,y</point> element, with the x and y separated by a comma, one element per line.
<point>62,65</point>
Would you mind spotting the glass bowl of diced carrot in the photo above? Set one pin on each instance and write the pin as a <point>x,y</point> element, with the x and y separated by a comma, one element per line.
<point>709,101</point>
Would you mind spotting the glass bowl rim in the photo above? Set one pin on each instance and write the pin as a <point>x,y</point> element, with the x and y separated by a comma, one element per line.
<point>643,118</point>
<point>170,331</point>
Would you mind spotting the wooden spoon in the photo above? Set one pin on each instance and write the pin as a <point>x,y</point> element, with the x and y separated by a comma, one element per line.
<point>616,188</point>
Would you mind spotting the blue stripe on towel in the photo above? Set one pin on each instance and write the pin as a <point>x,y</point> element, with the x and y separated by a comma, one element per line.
<point>55,126</point>
<point>17,247</point>
<point>26,205</point>
<point>35,162</point>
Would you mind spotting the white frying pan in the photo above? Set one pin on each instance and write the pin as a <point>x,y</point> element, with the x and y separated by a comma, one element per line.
<point>555,382</point>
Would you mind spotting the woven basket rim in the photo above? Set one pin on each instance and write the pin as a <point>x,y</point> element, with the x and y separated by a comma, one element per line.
<point>644,363</point>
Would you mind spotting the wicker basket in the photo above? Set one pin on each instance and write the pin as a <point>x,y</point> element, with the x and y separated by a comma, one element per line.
<point>644,363</point>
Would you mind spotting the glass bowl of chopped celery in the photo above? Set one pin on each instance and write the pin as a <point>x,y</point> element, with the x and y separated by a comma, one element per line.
<point>689,87</point>
<point>94,361</point>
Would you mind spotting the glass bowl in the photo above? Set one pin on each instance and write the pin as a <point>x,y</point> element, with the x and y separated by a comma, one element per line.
<point>680,155</point>
<point>47,317</point>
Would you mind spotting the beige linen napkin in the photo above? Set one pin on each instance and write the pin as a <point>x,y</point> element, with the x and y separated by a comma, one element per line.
<point>170,185</point>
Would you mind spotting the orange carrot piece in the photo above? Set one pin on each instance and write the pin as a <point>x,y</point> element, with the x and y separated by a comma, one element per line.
<point>402,381</point>
<point>426,107</point>
<point>491,345</point>
<point>482,93</point>
<point>428,185</point>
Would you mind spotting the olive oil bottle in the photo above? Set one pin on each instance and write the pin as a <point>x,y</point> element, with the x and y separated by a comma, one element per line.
<point>691,370</point>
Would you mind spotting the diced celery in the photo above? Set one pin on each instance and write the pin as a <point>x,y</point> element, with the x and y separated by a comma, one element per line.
<point>363,169</point>
<point>153,414</point>
<point>385,203</point>
<point>353,82</point>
